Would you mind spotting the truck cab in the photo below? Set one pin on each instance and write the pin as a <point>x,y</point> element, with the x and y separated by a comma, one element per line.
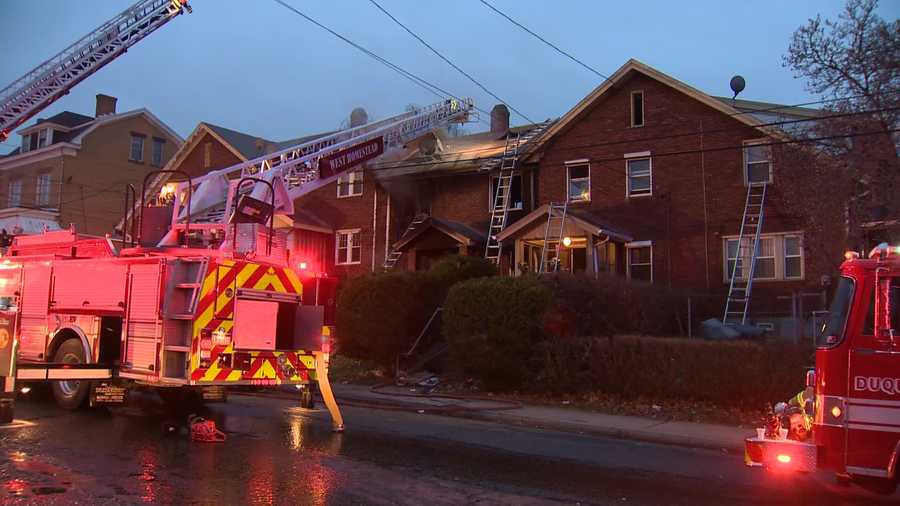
<point>856,426</point>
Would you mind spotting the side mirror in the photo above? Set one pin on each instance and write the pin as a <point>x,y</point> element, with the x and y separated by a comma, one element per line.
<point>811,378</point>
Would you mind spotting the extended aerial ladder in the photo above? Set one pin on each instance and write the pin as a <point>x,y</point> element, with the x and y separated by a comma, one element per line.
<point>52,79</point>
<point>297,170</point>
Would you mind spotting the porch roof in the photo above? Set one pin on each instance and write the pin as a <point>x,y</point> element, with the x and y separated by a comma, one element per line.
<point>585,219</point>
<point>457,231</point>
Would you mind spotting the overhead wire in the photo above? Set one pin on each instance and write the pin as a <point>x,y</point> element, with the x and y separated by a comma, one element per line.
<point>448,61</point>
<point>434,89</point>
<point>545,41</point>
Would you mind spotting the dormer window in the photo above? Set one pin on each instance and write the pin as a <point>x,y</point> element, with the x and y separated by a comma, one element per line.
<point>42,138</point>
<point>637,108</point>
<point>26,143</point>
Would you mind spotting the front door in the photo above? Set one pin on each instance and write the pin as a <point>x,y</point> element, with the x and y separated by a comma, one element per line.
<point>873,410</point>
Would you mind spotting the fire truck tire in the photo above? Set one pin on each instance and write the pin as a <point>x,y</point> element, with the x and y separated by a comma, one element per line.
<point>307,398</point>
<point>70,394</point>
<point>881,486</point>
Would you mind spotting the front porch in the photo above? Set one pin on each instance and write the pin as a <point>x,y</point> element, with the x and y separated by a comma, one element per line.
<point>431,238</point>
<point>587,244</point>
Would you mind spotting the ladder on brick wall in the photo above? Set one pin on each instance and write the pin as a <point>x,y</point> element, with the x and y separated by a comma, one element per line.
<point>740,286</point>
<point>553,236</point>
<point>508,170</point>
<point>394,256</point>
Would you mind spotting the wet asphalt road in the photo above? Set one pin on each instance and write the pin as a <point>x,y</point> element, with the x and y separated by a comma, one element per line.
<point>278,453</point>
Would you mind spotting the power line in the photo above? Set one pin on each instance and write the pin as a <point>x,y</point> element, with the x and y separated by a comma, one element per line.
<point>545,41</point>
<point>447,60</point>
<point>409,75</point>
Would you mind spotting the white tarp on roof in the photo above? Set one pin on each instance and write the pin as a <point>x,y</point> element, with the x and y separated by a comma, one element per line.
<point>17,225</point>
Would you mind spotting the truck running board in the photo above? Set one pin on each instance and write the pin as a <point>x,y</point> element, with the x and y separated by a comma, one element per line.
<point>43,372</point>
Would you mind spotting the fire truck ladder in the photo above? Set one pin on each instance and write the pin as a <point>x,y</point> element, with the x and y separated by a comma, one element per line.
<point>395,253</point>
<point>297,166</point>
<point>500,211</point>
<point>40,87</point>
<point>740,287</point>
<point>553,236</point>
<point>185,278</point>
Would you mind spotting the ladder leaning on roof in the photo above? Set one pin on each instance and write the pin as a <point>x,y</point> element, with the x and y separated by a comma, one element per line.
<point>395,254</point>
<point>508,170</point>
<point>739,289</point>
<point>553,236</point>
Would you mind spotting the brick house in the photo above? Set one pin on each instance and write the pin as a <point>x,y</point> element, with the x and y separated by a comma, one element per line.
<point>654,174</point>
<point>73,169</point>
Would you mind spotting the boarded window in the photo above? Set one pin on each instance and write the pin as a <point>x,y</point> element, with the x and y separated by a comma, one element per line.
<point>637,108</point>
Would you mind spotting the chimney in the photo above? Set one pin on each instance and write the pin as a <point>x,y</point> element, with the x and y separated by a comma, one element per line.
<point>358,117</point>
<point>105,105</point>
<point>500,119</point>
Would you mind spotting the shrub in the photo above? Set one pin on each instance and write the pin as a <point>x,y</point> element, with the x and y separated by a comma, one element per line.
<point>493,324</point>
<point>379,315</point>
<point>733,374</point>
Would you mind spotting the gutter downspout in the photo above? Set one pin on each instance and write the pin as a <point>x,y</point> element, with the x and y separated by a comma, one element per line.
<point>374,223</point>
<point>387,227</point>
<point>705,209</point>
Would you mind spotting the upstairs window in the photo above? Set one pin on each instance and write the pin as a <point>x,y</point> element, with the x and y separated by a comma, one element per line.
<point>637,108</point>
<point>514,202</point>
<point>579,181</point>
<point>640,176</point>
<point>757,162</point>
<point>347,247</point>
<point>14,193</point>
<point>350,184</point>
<point>26,143</point>
<point>42,190</point>
<point>156,157</point>
<point>42,138</point>
<point>136,153</point>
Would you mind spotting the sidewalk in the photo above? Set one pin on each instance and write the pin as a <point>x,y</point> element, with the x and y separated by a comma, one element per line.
<point>699,435</point>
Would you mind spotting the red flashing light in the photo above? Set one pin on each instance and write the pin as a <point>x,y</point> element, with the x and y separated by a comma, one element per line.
<point>783,458</point>
<point>302,266</point>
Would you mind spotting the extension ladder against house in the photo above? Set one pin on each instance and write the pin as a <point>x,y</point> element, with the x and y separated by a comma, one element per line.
<point>740,286</point>
<point>508,170</point>
<point>395,254</point>
<point>553,236</point>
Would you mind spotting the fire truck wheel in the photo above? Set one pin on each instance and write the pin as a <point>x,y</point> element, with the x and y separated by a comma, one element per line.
<point>70,394</point>
<point>307,398</point>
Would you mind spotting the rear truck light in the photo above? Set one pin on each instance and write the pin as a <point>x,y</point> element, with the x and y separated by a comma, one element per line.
<point>326,344</point>
<point>781,454</point>
<point>836,412</point>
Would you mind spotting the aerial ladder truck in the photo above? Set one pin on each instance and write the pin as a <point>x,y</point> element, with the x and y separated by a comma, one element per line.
<point>201,295</point>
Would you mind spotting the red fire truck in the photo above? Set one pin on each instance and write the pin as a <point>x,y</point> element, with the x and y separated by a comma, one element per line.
<point>856,428</point>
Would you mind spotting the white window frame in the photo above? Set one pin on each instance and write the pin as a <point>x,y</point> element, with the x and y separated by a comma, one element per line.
<point>348,256</point>
<point>637,245</point>
<point>14,188</point>
<point>26,143</point>
<point>352,181</point>
<point>492,188</point>
<point>632,157</point>
<point>785,256</point>
<point>631,121</point>
<point>161,143</point>
<point>131,157</point>
<point>578,163</point>
<point>42,190</point>
<point>771,162</point>
<point>779,251</point>
<point>43,138</point>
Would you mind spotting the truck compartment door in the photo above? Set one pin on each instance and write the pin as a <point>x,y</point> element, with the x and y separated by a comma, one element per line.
<point>35,298</point>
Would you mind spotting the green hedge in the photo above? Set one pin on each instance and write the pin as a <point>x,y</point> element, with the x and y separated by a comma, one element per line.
<point>493,325</point>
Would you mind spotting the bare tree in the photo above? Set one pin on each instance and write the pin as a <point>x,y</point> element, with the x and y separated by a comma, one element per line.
<point>849,176</point>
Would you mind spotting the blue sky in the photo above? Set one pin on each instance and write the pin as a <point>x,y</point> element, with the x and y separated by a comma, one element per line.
<point>254,66</point>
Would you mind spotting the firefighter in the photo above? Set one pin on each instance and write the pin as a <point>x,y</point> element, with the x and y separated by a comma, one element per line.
<point>798,414</point>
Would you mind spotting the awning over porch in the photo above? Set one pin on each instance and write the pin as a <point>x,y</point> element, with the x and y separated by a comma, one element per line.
<point>584,219</point>
<point>459,232</point>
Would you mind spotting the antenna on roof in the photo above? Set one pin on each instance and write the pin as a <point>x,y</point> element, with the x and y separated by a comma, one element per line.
<point>737,85</point>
